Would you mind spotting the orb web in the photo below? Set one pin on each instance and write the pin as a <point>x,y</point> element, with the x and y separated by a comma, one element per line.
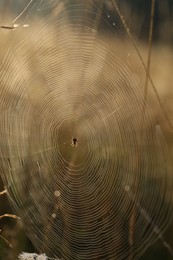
<point>87,172</point>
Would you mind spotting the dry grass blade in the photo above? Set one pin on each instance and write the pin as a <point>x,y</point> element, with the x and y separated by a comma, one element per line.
<point>149,50</point>
<point>6,241</point>
<point>142,61</point>
<point>133,212</point>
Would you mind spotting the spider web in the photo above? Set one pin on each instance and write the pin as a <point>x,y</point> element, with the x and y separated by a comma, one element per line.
<point>109,196</point>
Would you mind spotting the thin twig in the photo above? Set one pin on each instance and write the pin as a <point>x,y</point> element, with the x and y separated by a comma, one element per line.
<point>3,192</point>
<point>9,216</point>
<point>7,27</point>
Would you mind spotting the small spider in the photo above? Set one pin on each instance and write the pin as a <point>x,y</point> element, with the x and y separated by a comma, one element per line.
<point>74,142</point>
